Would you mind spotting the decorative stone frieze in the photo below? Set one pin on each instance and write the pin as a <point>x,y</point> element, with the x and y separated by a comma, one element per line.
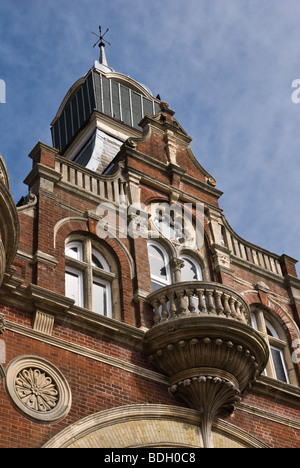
<point>37,389</point>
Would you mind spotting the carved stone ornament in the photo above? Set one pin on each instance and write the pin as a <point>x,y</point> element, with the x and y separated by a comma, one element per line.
<point>201,340</point>
<point>2,324</point>
<point>37,389</point>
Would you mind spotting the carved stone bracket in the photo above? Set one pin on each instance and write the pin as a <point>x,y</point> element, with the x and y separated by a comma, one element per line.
<point>29,201</point>
<point>43,322</point>
<point>209,394</point>
<point>209,359</point>
<point>2,324</point>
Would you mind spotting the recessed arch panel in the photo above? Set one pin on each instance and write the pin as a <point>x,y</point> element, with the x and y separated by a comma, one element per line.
<point>147,426</point>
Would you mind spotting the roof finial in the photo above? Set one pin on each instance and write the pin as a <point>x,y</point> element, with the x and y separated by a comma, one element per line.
<point>101,41</point>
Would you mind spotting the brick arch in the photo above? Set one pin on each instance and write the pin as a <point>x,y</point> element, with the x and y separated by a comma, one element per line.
<point>286,322</point>
<point>149,426</point>
<point>117,249</point>
<point>290,328</point>
<point>66,226</point>
<point>251,297</point>
<point>151,196</point>
<point>62,230</point>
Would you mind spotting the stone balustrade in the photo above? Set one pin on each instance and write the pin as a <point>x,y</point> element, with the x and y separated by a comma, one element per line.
<point>250,253</point>
<point>196,299</point>
<point>107,187</point>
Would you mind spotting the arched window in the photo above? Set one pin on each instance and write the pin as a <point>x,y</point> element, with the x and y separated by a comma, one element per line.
<point>74,272</point>
<point>191,270</point>
<point>88,277</point>
<point>278,366</point>
<point>159,265</point>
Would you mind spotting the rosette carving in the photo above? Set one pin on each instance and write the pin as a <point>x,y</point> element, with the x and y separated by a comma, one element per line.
<point>36,390</point>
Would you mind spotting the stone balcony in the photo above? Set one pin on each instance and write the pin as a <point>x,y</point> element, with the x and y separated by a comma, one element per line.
<point>202,341</point>
<point>197,299</point>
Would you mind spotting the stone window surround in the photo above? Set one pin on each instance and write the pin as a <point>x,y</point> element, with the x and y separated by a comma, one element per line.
<point>110,277</point>
<point>280,342</point>
<point>175,257</point>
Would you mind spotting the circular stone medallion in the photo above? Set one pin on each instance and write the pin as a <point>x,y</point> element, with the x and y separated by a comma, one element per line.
<point>37,389</point>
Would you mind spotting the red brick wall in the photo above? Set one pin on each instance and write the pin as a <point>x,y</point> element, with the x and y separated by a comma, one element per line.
<point>272,433</point>
<point>97,386</point>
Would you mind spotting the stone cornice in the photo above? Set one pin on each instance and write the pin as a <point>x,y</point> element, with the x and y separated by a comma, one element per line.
<point>34,298</point>
<point>42,171</point>
<point>87,352</point>
<point>268,415</point>
<point>278,390</point>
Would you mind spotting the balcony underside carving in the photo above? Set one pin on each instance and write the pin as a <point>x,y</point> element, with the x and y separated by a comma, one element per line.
<point>208,352</point>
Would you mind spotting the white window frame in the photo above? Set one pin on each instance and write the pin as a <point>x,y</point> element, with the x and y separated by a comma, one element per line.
<point>158,279</point>
<point>101,259</point>
<point>108,304</point>
<point>196,265</point>
<point>88,274</point>
<point>259,322</point>
<point>77,244</point>
<point>79,274</point>
<point>283,363</point>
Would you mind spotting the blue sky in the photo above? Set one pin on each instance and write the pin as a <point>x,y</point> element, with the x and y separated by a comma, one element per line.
<point>226,68</point>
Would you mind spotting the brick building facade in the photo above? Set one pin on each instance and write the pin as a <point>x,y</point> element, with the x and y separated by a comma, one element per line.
<point>132,315</point>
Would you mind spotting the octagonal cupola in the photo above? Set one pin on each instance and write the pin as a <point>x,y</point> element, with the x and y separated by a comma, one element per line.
<point>99,112</point>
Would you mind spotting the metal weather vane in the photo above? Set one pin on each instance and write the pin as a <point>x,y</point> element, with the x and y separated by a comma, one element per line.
<point>100,37</point>
<point>101,43</point>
